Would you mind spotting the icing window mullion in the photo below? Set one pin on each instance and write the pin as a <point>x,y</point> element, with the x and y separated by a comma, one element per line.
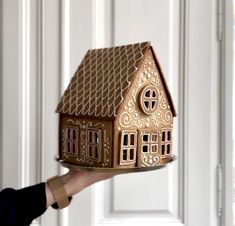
<point>71,139</point>
<point>94,143</point>
<point>128,147</point>
<point>166,142</point>
<point>149,99</point>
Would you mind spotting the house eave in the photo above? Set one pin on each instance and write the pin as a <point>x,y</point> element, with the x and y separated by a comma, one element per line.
<point>88,116</point>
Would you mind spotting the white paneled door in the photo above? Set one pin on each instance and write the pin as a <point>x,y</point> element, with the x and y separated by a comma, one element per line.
<point>43,42</point>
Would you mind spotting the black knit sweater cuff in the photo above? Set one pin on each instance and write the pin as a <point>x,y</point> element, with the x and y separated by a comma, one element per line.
<point>21,207</point>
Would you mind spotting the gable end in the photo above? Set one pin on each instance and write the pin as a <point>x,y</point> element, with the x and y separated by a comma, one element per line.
<point>164,82</point>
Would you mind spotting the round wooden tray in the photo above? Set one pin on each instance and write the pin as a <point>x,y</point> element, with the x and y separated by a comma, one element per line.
<point>114,170</point>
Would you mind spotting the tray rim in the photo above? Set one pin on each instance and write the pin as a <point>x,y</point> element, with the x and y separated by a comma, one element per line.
<point>112,170</point>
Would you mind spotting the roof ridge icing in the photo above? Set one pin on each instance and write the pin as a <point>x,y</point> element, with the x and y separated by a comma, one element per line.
<point>121,46</point>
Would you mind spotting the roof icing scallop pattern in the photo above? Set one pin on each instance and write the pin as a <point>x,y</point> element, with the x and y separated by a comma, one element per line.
<point>101,81</point>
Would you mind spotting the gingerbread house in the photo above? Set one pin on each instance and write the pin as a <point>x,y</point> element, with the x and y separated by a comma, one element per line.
<point>117,111</point>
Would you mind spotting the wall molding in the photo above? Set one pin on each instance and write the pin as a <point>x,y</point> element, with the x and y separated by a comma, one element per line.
<point>1,96</point>
<point>30,134</point>
<point>65,44</point>
<point>64,75</point>
<point>182,109</point>
<point>98,23</point>
<point>24,164</point>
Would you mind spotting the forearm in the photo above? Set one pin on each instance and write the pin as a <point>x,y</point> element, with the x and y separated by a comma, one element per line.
<point>20,207</point>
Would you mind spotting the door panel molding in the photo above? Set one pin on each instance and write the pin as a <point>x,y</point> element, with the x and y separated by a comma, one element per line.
<point>107,213</point>
<point>202,119</point>
<point>105,193</point>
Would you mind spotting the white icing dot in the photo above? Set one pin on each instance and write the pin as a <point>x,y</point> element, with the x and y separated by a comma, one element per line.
<point>150,161</point>
<point>158,113</point>
<point>125,107</point>
<point>149,69</point>
<point>149,75</point>
<point>147,124</point>
<point>144,79</point>
<point>84,127</point>
<point>168,106</point>
<point>119,128</point>
<point>155,73</point>
<point>147,119</point>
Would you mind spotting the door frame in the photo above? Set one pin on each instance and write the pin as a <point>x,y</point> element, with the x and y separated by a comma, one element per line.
<point>226,112</point>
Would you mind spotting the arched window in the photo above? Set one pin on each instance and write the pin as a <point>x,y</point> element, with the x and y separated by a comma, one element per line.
<point>149,99</point>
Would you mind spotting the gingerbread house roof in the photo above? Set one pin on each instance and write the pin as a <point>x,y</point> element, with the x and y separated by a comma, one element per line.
<point>100,83</point>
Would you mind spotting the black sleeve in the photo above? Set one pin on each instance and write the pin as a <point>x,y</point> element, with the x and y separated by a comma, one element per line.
<point>20,207</point>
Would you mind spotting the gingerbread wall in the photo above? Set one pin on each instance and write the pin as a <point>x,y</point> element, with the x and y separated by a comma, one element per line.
<point>131,115</point>
<point>74,141</point>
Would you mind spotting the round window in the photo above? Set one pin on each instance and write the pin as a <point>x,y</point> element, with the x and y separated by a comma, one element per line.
<point>149,99</point>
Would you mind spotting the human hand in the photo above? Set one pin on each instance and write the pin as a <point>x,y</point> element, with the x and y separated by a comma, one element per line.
<point>74,181</point>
